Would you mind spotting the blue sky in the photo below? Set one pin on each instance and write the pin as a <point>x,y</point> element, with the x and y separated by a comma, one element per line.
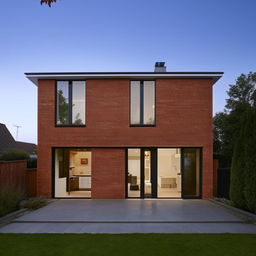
<point>119,35</point>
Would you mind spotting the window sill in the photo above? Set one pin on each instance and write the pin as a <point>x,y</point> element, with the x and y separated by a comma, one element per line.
<point>142,125</point>
<point>69,125</point>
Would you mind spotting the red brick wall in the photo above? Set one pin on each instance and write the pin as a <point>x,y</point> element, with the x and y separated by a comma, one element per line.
<point>108,173</point>
<point>183,118</point>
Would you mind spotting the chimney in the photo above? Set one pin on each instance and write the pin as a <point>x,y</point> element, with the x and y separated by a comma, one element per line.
<point>160,67</point>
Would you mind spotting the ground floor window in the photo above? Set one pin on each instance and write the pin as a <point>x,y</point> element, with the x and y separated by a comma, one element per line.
<point>72,172</point>
<point>163,172</point>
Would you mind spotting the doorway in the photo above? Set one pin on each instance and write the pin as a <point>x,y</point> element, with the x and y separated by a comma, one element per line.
<point>163,173</point>
<point>72,172</point>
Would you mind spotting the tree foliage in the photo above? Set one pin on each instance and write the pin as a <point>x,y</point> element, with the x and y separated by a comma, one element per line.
<point>49,2</point>
<point>235,140</point>
<point>227,124</point>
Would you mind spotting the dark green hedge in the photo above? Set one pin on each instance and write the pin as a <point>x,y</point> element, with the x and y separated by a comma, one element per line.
<point>243,169</point>
<point>14,155</point>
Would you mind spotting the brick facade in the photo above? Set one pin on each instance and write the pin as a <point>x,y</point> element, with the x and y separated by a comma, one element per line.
<point>183,119</point>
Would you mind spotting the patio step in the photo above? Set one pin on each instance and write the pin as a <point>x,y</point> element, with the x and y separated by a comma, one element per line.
<point>123,221</point>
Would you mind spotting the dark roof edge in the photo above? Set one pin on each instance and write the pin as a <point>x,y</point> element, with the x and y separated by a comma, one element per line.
<point>112,73</point>
<point>34,77</point>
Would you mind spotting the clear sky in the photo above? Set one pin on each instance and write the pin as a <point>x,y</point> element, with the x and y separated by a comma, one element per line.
<point>119,35</point>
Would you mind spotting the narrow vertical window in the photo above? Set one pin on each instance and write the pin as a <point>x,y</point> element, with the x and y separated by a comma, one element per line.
<point>62,103</point>
<point>142,103</point>
<point>149,102</point>
<point>70,105</point>
<point>135,102</point>
<point>78,103</point>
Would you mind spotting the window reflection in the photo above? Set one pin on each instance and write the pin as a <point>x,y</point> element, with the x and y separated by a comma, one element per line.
<point>135,102</point>
<point>149,102</point>
<point>70,105</point>
<point>142,100</point>
<point>62,102</point>
<point>78,103</point>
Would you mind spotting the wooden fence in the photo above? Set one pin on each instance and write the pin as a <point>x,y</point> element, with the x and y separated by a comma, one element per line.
<point>15,174</point>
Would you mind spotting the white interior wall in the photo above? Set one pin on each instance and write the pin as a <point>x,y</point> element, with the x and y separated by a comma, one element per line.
<point>75,161</point>
<point>168,163</point>
<point>134,167</point>
<point>60,183</point>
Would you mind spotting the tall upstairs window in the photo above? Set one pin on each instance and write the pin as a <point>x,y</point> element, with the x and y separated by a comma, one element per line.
<point>142,103</point>
<point>70,105</point>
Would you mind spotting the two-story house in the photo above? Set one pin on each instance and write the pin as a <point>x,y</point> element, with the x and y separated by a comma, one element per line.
<point>125,134</point>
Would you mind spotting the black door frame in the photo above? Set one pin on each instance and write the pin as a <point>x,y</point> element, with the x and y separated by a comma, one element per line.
<point>154,172</point>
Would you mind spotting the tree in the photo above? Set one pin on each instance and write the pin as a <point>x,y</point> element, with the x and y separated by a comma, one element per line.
<point>243,93</point>
<point>227,124</point>
<point>49,2</point>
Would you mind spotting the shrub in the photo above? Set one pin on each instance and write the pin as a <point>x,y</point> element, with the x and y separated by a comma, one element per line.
<point>34,203</point>
<point>243,170</point>
<point>32,163</point>
<point>237,175</point>
<point>14,155</point>
<point>10,199</point>
<point>250,162</point>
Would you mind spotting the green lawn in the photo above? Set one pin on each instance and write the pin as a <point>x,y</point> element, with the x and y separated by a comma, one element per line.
<point>127,244</point>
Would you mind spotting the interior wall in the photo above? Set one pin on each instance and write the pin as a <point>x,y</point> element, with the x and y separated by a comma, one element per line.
<point>60,183</point>
<point>167,163</point>
<point>79,167</point>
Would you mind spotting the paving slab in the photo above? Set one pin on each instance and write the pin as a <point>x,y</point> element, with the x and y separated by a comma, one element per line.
<point>131,210</point>
<point>130,216</point>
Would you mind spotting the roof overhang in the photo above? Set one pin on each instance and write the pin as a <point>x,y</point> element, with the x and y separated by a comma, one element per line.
<point>34,77</point>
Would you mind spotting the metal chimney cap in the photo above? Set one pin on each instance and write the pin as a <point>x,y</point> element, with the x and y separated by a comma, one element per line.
<point>160,67</point>
<point>159,64</point>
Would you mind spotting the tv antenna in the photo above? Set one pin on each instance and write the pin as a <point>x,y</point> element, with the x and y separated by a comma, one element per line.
<point>17,130</point>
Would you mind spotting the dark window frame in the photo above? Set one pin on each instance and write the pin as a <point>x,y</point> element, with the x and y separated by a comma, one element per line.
<point>53,189</point>
<point>141,124</point>
<point>70,100</point>
<point>154,163</point>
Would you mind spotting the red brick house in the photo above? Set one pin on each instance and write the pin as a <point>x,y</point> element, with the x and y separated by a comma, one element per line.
<point>125,134</point>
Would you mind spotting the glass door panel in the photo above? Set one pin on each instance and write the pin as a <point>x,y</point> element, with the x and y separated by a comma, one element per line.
<point>147,174</point>
<point>168,173</point>
<point>134,173</point>
<point>191,172</point>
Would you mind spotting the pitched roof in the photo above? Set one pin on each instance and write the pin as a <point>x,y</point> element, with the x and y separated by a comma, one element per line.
<point>6,139</point>
<point>7,142</point>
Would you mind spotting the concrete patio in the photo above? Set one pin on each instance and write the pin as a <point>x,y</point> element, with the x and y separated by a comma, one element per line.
<point>130,216</point>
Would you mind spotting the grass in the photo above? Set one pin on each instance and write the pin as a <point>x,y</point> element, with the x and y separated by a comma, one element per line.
<point>128,244</point>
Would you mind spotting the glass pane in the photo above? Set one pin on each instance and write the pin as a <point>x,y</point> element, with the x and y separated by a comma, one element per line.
<point>169,175</point>
<point>72,173</point>
<point>78,103</point>
<point>147,174</point>
<point>149,102</point>
<point>135,102</point>
<point>133,179</point>
<point>62,102</point>
<point>191,172</point>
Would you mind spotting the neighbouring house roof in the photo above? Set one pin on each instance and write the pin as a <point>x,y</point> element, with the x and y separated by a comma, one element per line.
<point>7,142</point>
<point>34,77</point>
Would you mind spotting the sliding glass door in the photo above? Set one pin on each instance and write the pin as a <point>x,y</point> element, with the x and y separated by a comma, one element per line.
<point>191,172</point>
<point>164,173</point>
<point>168,173</point>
